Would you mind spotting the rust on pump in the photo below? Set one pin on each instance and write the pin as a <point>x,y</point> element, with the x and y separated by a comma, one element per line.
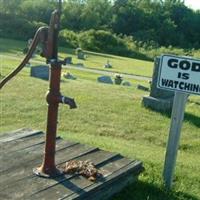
<point>48,37</point>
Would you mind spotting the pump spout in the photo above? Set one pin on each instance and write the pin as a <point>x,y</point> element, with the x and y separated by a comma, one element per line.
<point>69,101</point>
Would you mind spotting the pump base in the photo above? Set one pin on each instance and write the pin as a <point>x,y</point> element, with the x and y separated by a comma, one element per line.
<point>39,171</point>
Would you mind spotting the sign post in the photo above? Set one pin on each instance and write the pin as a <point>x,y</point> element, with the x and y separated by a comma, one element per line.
<point>182,75</point>
<point>174,137</point>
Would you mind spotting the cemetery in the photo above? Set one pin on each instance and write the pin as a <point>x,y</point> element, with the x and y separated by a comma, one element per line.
<point>132,137</point>
<point>40,72</point>
<point>158,99</point>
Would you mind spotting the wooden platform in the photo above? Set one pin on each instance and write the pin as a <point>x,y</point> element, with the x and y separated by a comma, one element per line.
<point>22,150</point>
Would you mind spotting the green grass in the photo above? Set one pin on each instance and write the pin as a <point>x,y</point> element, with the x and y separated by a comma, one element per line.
<point>94,60</point>
<point>119,64</point>
<point>110,117</point>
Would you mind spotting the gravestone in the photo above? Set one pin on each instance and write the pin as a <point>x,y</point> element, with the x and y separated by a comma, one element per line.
<point>126,83</point>
<point>28,64</point>
<point>68,60</point>
<point>142,87</point>
<point>159,99</point>
<point>80,54</point>
<point>69,76</point>
<point>79,65</point>
<point>108,65</point>
<point>41,71</point>
<point>105,79</point>
<point>118,79</point>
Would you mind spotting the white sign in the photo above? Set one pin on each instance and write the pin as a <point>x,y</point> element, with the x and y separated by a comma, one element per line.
<point>179,74</point>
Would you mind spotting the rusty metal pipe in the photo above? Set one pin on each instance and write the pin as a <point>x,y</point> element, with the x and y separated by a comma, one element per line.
<point>49,39</point>
<point>48,167</point>
<point>53,97</point>
<point>69,101</point>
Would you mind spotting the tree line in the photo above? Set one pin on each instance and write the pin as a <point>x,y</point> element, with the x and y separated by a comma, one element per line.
<point>153,23</point>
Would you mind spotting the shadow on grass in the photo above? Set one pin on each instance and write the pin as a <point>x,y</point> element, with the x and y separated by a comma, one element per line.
<point>194,102</point>
<point>104,55</point>
<point>146,191</point>
<point>110,55</point>
<point>11,46</point>
<point>67,50</point>
<point>191,118</point>
<point>132,54</point>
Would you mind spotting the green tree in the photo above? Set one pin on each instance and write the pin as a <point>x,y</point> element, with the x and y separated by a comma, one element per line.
<point>96,14</point>
<point>71,16</point>
<point>127,18</point>
<point>10,6</point>
<point>37,10</point>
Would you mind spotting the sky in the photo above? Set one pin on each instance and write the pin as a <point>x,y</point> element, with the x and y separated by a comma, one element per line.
<point>194,4</point>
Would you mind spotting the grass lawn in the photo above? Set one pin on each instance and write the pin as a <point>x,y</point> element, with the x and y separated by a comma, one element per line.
<point>94,60</point>
<point>110,117</point>
<point>119,64</point>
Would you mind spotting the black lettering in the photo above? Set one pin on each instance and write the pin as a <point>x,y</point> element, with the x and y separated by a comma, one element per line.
<point>184,65</point>
<point>196,67</point>
<point>179,75</point>
<point>165,82</point>
<point>170,83</point>
<point>173,63</point>
<point>185,76</point>
<point>181,85</point>
<point>187,86</point>
<point>175,84</point>
<point>196,88</point>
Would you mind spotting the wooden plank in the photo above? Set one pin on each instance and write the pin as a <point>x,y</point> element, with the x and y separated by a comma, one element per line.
<point>14,132</point>
<point>27,157</point>
<point>16,159</point>
<point>108,191</point>
<point>112,184</point>
<point>22,143</point>
<point>35,184</point>
<point>25,152</point>
<point>22,133</point>
<point>99,158</point>
<point>24,171</point>
<point>78,184</point>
